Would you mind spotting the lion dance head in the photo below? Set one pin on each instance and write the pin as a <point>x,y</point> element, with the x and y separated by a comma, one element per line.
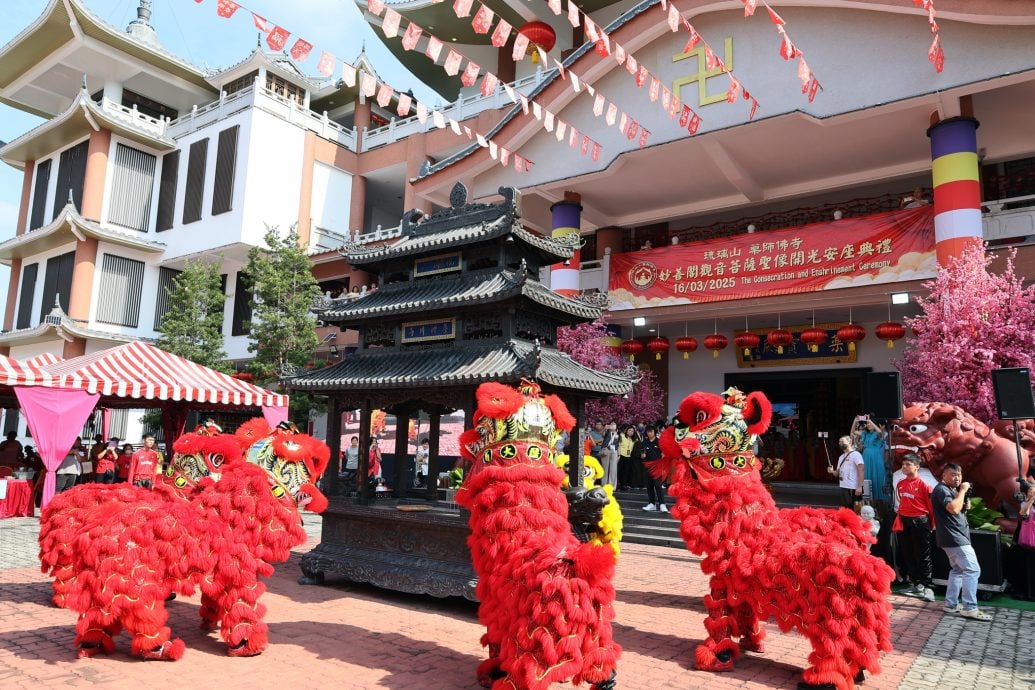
<point>294,461</point>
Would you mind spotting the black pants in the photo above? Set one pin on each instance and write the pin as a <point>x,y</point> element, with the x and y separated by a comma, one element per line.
<point>106,477</point>
<point>915,540</point>
<point>655,492</point>
<point>848,498</point>
<point>625,471</point>
<point>142,483</point>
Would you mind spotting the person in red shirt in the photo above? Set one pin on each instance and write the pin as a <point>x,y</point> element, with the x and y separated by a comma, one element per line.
<point>106,461</point>
<point>913,525</point>
<point>123,462</point>
<point>146,464</point>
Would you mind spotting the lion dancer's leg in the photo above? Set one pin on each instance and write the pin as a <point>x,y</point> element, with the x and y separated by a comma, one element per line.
<point>152,638</point>
<point>750,628</point>
<point>242,627</point>
<point>95,633</point>
<point>719,650</point>
<point>210,612</point>
<point>489,670</point>
<point>828,664</point>
<point>64,578</point>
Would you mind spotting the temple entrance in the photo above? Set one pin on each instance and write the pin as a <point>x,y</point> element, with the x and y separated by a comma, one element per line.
<point>806,403</point>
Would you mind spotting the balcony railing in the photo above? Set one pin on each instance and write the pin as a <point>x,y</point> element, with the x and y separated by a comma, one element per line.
<point>260,97</point>
<point>154,125</point>
<point>468,106</point>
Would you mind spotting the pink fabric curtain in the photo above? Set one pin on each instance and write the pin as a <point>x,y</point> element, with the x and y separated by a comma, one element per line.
<point>274,415</point>
<point>55,418</point>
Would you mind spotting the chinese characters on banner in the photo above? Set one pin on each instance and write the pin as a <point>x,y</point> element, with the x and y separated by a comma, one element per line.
<point>882,248</point>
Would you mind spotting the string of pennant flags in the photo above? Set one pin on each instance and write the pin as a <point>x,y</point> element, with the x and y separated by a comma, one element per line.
<point>935,53</point>
<point>371,86</point>
<point>788,50</point>
<point>455,62</point>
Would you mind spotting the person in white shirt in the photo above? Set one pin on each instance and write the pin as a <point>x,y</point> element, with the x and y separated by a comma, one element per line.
<point>420,462</point>
<point>850,471</point>
<point>70,468</point>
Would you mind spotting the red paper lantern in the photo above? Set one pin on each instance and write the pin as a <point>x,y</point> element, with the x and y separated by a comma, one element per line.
<point>632,348</point>
<point>538,34</point>
<point>813,337</point>
<point>889,331</point>
<point>658,346</point>
<point>781,338</point>
<point>686,346</point>
<point>851,334</point>
<point>747,341</point>
<point>716,342</point>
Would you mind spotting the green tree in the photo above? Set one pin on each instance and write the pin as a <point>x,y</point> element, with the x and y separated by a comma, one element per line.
<point>193,325</point>
<point>283,327</point>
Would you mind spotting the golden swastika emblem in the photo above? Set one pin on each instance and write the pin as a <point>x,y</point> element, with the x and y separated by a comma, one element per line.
<point>703,74</point>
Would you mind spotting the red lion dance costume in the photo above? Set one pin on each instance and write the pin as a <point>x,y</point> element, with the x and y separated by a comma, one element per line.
<point>808,568</point>
<point>546,599</point>
<point>215,523</point>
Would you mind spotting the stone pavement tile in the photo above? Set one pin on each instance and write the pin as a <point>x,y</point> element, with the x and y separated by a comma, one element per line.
<point>359,637</point>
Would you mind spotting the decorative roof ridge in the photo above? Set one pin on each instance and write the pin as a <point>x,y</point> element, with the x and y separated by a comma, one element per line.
<point>630,373</point>
<point>548,78</point>
<point>66,328</point>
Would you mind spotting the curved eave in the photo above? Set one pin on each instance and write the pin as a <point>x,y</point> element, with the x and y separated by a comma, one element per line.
<point>257,59</point>
<point>67,331</point>
<point>68,227</point>
<point>549,250</point>
<point>79,120</point>
<point>35,43</point>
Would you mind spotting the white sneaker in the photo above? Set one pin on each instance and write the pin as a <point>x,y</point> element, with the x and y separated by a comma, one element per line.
<point>650,507</point>
<point>664,508</point>
<point>976,615</point>
<point>928,594</point>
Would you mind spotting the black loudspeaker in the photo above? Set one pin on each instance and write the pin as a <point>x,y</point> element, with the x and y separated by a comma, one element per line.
<point>989,551</point>
<point>1013,393</point>
<point>882,394</point>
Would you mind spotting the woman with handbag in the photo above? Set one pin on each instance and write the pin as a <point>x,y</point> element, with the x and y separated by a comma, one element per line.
<point>1021,561</point>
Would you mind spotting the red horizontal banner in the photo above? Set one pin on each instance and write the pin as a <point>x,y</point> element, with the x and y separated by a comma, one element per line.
<point>853,252</point>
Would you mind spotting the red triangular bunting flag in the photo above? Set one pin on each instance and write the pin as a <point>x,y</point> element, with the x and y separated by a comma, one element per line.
<point>573,13</point>
<point>519,163</point>
<point>655,87</point>
<point>684,117</point>
<point>300,51</point>
<point>643,137</point>
<point>226,8</point>
<point>694,123</point>
<point>390,24</point>
<point>619,53</point>
<point>612,113</point>
<point>384,95</point>
<point>411,36</point>
<point>710,61</point>
<point>462,8</point>
<point>367,83</point>
<point>452,62</point>
<point>489,82</point>
<point>482,21</point>
<point>774,17</point>
<point>787,49</point>
<point>573,138</point>
<point>749,7</point>
<point>348,73</point>
<point>673,107</point>
<point>692,42</point>
<point>326,64</point>
<point>585,144</point>
<point>673,18</point>
<point>403,109</point>
<point>434,48</point>
<point>554,5</point>
<point>470,74</point>
<point>634,129</point>
<point>504,156</point>
<point>936,55</point>
<point>260,23</point>
<point>813,89</point>
<point>375,7</point>
<point>596,151</point>
<point>520,47</point>
<point>562,127</point>
<point>733,91</point>
<point>631,66</point>
<point>591,29</point>
<point>277,38</point>
<point>641,76</point>
<point>623,122</point>
<point>804,73</point>
<point>598,104</point>
<point>422,112</point>
<point>603,46</point>
<point>501,34</point>
<point>754,109</point>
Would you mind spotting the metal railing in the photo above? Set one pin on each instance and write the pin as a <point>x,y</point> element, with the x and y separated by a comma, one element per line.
<point>379,235</point>
<point>260,97</point>
<point>468,106</point>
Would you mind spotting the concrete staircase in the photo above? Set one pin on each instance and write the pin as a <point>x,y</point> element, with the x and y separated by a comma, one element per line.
<point>642,527</point>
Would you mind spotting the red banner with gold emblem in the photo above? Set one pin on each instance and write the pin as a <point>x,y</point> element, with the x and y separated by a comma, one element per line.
<point>853,252</point>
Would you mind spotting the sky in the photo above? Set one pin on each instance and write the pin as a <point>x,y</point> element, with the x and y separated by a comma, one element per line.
<point>194,32</point>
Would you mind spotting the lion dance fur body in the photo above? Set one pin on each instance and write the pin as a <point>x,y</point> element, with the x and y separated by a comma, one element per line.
<point>546,598</point>
<point>809,569</point>
<point>214,523</point>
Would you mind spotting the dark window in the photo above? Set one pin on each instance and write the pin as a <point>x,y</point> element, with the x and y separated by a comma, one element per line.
<point>242,305</point>
<point>147,106</point>
<point>28,289</point>
<point>39,196</point>
<point>166,280</point>
<point>284,88</point>
<point>167,191</point>
<point>241,83</point>
<point>226,165</point>
<point>71,174</point>
<point>57,283</point>
<point>195,189</point>
<point>132,185</point>
<point>118,300</point>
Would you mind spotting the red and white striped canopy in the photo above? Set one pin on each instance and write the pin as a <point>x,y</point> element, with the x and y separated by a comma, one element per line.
<point>27,373</point>
<point>140,370</point>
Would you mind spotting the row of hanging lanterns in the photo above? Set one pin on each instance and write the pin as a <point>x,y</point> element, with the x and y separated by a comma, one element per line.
<point>812,337</point>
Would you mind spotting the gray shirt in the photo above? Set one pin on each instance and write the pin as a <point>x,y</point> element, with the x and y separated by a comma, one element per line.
<point>950,530</point>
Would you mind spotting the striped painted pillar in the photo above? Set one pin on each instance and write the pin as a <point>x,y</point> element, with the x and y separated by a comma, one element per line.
<point>567,218</point>
<point>957,192</point>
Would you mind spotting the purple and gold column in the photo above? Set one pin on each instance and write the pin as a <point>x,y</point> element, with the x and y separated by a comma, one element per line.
<point>957,191</point>
<point>567,219</point>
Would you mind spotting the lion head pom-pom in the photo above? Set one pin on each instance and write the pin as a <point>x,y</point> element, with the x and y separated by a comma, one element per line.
<point>497,400</point>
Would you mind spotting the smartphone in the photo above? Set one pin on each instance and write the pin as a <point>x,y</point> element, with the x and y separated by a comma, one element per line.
<point>113,444</point>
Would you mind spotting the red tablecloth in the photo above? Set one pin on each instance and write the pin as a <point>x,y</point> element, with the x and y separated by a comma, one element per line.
<point>18,502</point>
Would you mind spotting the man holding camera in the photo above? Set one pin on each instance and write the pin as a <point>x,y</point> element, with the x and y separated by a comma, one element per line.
<point>950,500</point>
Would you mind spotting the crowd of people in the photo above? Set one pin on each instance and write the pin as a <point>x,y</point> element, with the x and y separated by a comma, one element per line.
<point>104,462</point>
<point>624,456</point>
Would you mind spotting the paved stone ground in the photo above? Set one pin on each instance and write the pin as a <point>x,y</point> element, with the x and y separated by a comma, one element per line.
<point>356,637</point>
